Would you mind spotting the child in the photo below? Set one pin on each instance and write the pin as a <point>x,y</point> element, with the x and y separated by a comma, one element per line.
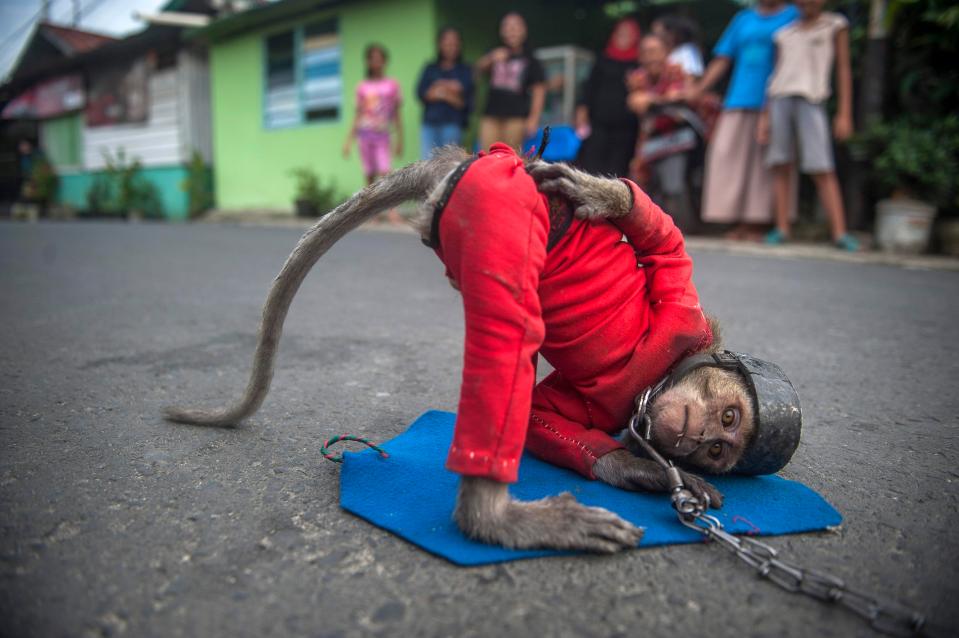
<point>807,50</point>
<point>446,90</point>
<point>377,107</point>
<point>517,87</point>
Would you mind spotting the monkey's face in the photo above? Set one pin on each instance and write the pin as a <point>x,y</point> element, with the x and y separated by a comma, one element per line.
<point>705,420</point>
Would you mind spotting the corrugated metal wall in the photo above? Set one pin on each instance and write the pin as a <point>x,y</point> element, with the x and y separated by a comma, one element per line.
<point>155,143</point>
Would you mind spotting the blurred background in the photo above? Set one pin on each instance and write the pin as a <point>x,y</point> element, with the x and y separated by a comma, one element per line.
<point>171,110</point>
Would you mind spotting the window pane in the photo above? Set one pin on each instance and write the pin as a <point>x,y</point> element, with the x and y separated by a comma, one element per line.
<point>322,85</point>
<point>281,102</point>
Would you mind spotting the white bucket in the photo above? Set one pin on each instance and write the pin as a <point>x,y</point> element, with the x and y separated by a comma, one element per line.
<point>904,225</point>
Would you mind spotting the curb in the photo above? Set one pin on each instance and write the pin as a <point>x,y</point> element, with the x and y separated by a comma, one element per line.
<point>794,250</point>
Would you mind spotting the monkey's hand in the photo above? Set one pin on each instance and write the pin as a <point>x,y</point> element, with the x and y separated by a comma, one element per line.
<point>487,513</point>
<point>592,197</point>
<point>622,469</point>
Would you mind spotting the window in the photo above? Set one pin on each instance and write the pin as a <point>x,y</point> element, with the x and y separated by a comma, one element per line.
<point>303,81</point>
<point>60,139</point>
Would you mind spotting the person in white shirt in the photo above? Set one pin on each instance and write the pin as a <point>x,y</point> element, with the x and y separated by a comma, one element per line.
<point>680,34</point>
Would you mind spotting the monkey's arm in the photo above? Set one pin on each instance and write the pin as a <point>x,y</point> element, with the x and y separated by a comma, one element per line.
<point>622,469</point>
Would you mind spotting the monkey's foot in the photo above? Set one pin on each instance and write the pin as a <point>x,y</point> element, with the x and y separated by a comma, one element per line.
<point>558,522</point>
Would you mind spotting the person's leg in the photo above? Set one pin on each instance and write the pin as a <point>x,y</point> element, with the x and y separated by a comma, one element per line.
<point>671,178</point>
<point>427,140</point>
<point>758,196</point>
<point>827,186</point>
<point>449,134</point>
<point>779,158</point>
<point>817,159</point>
<point>366,149</point>
<point>514,131</point>
<point>725,178</point>
<point>489,132</point>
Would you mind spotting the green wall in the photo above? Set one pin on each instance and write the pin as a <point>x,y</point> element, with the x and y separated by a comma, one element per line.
<point>73,186</point>
<point>253,163</point>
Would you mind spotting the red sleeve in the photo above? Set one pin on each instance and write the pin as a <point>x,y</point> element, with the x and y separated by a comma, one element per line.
<point>678,326</point>
<point>660,249</point>
<point>493,237</point>
<point>565,440</point>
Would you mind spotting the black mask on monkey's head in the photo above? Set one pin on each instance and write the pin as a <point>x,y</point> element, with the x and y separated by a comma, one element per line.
<point>777,421</point>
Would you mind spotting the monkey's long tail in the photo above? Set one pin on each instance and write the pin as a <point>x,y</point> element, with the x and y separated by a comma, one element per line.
<point>411,182</point>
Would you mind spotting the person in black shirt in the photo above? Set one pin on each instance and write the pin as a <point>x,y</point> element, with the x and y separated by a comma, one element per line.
<point>607,125</point>
<point>446,90</point>
<point>517,87</point>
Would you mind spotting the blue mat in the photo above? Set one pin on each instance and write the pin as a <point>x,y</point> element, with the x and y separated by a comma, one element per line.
<point>412,495</point>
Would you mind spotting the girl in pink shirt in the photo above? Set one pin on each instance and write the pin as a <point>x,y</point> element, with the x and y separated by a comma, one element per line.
<point>377,109</point>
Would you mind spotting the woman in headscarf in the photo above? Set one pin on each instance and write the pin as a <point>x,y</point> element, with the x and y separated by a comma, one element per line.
<point>607,125</point>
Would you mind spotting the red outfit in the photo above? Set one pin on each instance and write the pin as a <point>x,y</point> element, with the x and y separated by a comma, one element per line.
<point>611,317</point>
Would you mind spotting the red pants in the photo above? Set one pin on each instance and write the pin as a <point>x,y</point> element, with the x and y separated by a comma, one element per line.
<point>611,317</point>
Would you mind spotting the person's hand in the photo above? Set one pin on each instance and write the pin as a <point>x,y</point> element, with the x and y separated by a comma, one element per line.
<point>692,93</point>
<point>346,148</point>
<point>532,126</point>
<point>842,127</point>
<point>500,54</point>
<point>639,102</point>
<point>762,128</point>
<point>435,92</point>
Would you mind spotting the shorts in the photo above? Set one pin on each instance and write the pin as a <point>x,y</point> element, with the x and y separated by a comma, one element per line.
<point>374,152</point>
<point>793,117</point>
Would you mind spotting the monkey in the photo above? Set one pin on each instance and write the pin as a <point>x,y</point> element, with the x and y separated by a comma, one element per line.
<point>703,422</point>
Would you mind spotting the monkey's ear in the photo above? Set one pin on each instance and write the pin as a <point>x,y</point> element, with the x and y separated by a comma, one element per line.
<point>717,331</point>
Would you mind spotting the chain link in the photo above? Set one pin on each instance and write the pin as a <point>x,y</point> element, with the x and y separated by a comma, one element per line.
<point>884,616</point>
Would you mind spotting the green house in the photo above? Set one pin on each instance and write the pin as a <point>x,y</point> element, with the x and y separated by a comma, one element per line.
<point>283,77</point>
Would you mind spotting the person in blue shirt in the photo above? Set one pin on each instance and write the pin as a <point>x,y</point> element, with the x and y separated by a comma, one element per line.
<point>738,186</point>
<point>446,90</point>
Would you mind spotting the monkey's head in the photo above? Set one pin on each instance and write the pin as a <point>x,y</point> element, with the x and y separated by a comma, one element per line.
<point>705,420</point>
<point>726,412</point>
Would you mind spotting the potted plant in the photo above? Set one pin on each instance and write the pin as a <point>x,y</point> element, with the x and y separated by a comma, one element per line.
<point>311,198</point>
<point>914,164</point>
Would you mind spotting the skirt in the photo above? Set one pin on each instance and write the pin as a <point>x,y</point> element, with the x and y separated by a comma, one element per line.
<point>738,186</point>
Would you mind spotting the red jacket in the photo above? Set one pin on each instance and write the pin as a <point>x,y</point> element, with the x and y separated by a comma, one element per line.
<point>611,317</point>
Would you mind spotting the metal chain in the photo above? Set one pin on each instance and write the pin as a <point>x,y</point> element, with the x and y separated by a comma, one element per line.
<point>883,616</point>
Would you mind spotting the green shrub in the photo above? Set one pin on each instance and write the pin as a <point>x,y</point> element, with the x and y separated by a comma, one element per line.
<point>917,158</point>
<point>121,189</point>
<point>197,186</point>
<point>322,199</point>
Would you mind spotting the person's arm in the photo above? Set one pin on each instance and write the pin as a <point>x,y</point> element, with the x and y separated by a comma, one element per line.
<point>537,101</point>
<point>717,69</point>
<point>351,134</point>
<point>842,125</point>
<point>468,90</point>
<point>453,93</point>
<point>485,62</point>
<point>724,52</point>
<point>424,86</point>
<point>398,129</point>
<point>640,101</point>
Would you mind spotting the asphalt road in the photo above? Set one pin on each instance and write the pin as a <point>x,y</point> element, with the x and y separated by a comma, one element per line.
<point>114,522</point>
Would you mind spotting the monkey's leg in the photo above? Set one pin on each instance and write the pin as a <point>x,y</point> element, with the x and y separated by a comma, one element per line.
<point>593,197</point>
<point>486,512</point>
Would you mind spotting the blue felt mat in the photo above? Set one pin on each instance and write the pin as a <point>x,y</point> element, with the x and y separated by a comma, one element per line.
<point>412,495</point>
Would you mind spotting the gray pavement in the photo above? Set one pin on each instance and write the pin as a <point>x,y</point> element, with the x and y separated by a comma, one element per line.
<point>113,522</point>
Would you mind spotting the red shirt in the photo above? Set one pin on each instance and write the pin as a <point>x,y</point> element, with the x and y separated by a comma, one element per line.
<point>611,317</point>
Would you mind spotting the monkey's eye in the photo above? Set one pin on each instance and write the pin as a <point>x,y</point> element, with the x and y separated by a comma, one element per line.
<point>715,450</point>
<point>729,417</point>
